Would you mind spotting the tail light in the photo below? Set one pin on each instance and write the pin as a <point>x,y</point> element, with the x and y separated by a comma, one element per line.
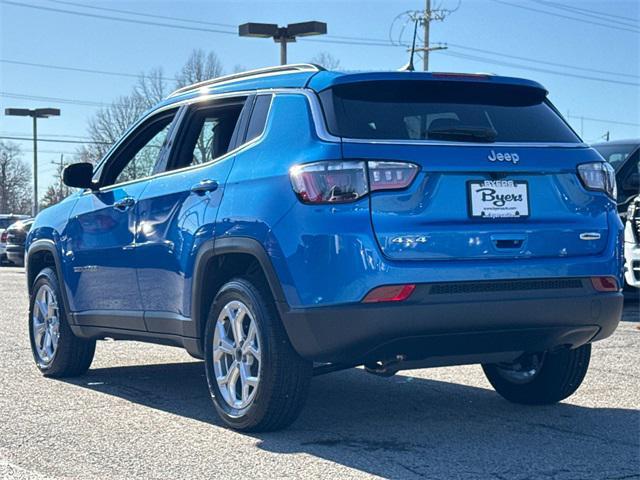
<point>341,182</point>
<point>3,237</point>
<point>605,284</point>
<point>600,177</point>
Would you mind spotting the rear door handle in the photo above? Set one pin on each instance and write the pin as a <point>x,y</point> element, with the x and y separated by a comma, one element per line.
<point>204,186</point>
<point>125,204</point>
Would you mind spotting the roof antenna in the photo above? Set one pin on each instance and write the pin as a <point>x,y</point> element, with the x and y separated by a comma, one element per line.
<point>409,66</point>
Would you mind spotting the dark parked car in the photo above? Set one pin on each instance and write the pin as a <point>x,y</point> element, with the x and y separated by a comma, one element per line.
<point>16,236</point>
<point>623,156</point>
<point>6,220</point>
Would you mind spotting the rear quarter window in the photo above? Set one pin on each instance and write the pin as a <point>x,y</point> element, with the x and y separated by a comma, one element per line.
<point>443,111</point>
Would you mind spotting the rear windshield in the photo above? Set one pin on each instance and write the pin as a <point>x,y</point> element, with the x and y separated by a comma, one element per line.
<point>7,222</point>
<point>445,111</point>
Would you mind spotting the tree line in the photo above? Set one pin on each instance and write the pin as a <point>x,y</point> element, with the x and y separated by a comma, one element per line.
<point>108,124</point>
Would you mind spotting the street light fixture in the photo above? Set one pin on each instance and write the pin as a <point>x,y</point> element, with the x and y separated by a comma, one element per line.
<point>35,114</point>
<point>282,35</point>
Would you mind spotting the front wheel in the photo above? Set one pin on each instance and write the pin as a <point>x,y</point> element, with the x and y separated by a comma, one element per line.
<point>256,379</point>
<point>56,350</point>
<point>540,379</point>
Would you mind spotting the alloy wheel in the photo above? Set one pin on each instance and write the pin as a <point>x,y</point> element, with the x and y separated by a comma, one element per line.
<point>46,324</point>
<point>237,355</point>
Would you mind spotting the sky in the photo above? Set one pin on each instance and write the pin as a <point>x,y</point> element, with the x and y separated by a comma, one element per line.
<point>586,53</point>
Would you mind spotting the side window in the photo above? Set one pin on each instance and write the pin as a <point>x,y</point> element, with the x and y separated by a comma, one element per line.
<point>141,153</point>
<point>258,117</point>
<point>208,134</point>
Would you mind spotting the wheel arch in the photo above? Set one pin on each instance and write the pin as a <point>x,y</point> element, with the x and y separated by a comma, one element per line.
<point>210,273</point>
<point>43,253</point>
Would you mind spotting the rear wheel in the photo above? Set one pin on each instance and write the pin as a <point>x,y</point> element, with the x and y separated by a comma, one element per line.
<point>256,379</point>
<point>543,378</point>
<point>56,350</point>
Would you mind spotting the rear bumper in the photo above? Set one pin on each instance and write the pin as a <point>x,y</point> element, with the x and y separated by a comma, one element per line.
<point>448,322</point>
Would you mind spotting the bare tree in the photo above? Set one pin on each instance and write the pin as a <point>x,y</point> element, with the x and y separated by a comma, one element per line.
<point>57,191</point>
<point>200,66</point>
<point>326,60</point>
<point>109,123</point>
<point>15,180</point>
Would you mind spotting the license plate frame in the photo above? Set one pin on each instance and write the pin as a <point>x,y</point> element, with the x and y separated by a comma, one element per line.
<point>487,205</point>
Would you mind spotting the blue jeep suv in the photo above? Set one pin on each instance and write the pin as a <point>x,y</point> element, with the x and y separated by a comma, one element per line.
<point>291,221</point>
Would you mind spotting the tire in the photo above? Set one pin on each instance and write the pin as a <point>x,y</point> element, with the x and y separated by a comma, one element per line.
<point>556,377</point>
<point>70,356</point>
<point>277,379</point>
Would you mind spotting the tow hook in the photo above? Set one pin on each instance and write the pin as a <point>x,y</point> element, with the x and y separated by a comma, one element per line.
<point>385,368</point>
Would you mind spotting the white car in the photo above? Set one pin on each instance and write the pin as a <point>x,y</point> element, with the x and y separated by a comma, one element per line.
<point>632,244</point>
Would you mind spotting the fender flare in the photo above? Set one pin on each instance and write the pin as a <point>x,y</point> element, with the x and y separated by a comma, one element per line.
<point>47,245</point>
<point>215,247</point>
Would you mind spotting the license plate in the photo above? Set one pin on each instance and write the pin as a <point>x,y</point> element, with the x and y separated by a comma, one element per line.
<point>498,199</point>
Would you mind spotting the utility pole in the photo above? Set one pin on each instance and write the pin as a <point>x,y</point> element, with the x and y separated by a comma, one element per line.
<point>425,24</point>
<point>424,19</point>
<point>60,166</point>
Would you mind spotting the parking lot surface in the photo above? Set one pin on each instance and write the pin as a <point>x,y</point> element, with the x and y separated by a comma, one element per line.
<point>143,411</point>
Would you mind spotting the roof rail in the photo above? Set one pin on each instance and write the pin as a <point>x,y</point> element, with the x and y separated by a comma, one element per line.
<point>292,68</point>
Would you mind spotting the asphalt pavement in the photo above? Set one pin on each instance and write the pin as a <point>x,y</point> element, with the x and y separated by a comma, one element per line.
<point>143,411</point>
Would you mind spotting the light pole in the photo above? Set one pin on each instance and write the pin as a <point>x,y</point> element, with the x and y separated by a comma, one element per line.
<point>35,114</point>
<point>282,35</point>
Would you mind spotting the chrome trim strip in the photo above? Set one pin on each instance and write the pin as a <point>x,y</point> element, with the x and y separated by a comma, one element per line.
<point>239,148</point>
<point>436,143</point>
<point>590,236</point>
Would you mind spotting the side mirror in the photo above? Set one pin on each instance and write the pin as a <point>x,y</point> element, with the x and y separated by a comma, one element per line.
<point>78,175</point>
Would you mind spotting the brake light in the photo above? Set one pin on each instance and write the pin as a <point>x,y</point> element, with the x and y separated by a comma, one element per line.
<point>341,182</point>
<point>605,284</point>
<point>389,293</point>
<point>391,175</point>
<point>599,176</point>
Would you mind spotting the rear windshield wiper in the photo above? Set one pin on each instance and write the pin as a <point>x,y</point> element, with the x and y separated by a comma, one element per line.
<point>463,133</point>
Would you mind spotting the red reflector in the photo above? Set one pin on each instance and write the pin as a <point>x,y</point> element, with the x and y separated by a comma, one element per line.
<point>605,284</point>
<point>389,293</point>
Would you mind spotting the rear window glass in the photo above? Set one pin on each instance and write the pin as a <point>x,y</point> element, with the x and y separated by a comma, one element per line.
<point>445,111</point>
<point>7,222</point>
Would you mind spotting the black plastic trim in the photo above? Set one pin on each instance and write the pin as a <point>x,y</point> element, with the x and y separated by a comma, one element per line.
<point>48,245</point>
<point>454,324</point>
<point>221,246</point>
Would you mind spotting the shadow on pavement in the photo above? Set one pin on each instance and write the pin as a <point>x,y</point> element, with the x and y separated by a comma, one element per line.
<point>410,427</point>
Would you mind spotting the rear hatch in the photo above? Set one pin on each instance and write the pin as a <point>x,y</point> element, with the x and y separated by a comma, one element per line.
<point>497,169</point>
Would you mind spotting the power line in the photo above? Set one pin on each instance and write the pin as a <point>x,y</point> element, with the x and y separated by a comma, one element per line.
<point>148,15</point>
<point>546,62</point>
<point>52,135</point>
<point>117,19</point>
<point>76,69</point>
<point>535,69</point>
<point>39,98</point>
<point>554,14</point>
<point>602,120</point>
<point>55,140</point>
<point>588,13</point>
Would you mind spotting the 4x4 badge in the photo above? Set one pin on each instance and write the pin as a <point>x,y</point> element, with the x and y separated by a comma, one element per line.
<point>503,157</point>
